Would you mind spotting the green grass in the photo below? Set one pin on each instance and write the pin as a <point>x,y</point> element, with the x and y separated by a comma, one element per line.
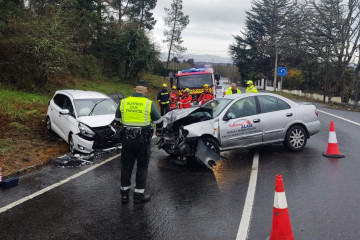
<point>20,126</point>
<point>22,106</point>
<point>3,148</point>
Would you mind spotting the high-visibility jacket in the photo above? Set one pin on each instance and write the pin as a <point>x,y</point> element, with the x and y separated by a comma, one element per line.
<point>135,111</point>
<point>251,89</point>
<point>205,97</point>
<point>229,91</point>
<point>173,100</point>
<point>163,97</point>
<point>185,102</point>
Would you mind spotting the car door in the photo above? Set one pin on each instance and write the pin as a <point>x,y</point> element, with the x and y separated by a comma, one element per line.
<point>241,125</point>
<point>67,122</point>
<point>276,115</point>
<point>56,107</point>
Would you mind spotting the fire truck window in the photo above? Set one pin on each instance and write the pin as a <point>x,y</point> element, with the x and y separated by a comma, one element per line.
<point>194,81</point>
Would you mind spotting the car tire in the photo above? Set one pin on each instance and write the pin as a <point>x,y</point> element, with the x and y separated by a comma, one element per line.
<point>48,124</point>
<point>296,138</point>
<point>212,144</point>
<point>71,144</point>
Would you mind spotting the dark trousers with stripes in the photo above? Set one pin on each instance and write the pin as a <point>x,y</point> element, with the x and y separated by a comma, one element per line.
<point>164,108</point>
<point>135,150</point>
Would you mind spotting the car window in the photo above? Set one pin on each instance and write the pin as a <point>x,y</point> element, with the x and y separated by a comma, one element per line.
<point>84,106</point>
<point>242,108</point>
<point>59,100</point>
<point>268,104</point>
<point>68,105</point>
<point>283,105</point>
<point>217,105</point>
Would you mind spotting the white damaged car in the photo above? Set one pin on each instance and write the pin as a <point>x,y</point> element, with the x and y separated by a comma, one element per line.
<point>238,121</point>
<point>82,119</point>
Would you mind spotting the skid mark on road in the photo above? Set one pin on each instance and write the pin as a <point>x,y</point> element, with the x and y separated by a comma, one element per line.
<point>345,119</point>
<point>55,185</point>
<point>243,231</point>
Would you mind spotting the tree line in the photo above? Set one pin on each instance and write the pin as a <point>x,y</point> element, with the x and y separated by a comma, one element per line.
<point>44,42</point>
<point>318,40</point>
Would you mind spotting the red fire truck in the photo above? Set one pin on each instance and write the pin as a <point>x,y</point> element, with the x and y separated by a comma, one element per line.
<point>195,79</point>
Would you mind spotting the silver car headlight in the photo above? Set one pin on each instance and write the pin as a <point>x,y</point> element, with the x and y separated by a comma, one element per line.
<point>86,131</point>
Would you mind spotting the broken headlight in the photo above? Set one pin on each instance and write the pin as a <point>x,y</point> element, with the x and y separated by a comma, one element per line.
<point>86,131</point>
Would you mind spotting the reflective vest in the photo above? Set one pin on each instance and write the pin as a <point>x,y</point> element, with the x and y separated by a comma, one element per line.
<point>229,91</point>
<point>135,111</point>
<point>205,97</point>
<point>251,89</point>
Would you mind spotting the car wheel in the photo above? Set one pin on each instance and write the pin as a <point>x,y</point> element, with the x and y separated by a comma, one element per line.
<point>212,144</point>
<point>295,139</point>
<point>48,124</point>
<point>71,144</point>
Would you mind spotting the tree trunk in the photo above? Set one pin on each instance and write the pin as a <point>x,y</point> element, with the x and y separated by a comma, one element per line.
<point>171,42</point>
<point>142,14</point>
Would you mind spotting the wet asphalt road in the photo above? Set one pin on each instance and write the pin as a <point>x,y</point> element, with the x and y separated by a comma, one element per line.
<point>191,202</point>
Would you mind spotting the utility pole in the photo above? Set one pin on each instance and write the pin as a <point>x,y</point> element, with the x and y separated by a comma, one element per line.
<point>275,70</point>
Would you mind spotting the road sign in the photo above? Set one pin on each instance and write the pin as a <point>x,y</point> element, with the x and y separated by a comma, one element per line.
<point>282,71</point>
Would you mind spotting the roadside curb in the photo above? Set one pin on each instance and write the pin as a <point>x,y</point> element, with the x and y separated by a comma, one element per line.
<point>29,169</point>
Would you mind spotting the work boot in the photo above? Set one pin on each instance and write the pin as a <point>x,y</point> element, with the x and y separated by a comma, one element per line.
<point>141,197</point>
<point>125,196</point>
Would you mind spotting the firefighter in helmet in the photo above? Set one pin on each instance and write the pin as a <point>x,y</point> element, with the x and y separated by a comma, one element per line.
<point>206,95</point>
<point>173,98</point>
<point>185,100</point>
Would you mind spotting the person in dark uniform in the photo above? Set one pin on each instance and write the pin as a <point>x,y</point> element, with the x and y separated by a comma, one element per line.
<point>163,98</point>
<point>136,115</point>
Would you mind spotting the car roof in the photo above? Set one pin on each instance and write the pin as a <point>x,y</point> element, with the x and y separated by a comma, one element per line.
<point>241,95</point>
<point>81,94</point>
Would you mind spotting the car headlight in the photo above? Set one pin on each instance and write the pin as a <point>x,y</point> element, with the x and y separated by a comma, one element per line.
<point>86,131</point>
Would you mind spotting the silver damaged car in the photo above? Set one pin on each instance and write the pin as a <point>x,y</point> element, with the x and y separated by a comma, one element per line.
<point>238,121</point>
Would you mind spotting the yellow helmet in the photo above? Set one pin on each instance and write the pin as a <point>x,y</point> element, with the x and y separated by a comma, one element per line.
<point>174,87</point>
<point>206,85</point>
<point>187,90</point>
<point>164,85</point>
<point>249,82</point>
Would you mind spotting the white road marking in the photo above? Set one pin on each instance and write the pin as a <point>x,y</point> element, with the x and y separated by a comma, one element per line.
<point>243,231</point>
<point>31,196</point>
<point>345,119</point>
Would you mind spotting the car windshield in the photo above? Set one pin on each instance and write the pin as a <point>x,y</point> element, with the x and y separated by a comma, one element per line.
<point>217,105</point>
<point>194,81</point>
<point>84,106</point>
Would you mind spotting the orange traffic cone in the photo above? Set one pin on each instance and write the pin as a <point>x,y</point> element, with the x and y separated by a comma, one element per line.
<point>333,148</point>
<point>281,226</point>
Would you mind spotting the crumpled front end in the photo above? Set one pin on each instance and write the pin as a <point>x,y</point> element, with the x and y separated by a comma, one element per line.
<point>182,135</point>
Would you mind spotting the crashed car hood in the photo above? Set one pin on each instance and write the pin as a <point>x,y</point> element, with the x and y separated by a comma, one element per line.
<point>175,115</point>
<point>97,121</point>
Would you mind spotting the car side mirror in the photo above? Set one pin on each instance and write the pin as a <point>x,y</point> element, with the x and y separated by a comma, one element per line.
<point>64,112</point>
<point>228,116</point>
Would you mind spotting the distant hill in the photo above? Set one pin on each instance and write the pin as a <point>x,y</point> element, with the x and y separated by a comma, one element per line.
<point>200,58</point>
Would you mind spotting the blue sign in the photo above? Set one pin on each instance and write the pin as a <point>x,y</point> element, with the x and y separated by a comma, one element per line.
<point>282,71</point>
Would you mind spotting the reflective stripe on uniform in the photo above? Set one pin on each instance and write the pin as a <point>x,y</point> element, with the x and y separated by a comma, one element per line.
<point>147,110</point>
<point>158,121</point>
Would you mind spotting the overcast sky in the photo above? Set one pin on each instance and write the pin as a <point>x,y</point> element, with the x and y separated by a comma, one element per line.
<point>212,24</point>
